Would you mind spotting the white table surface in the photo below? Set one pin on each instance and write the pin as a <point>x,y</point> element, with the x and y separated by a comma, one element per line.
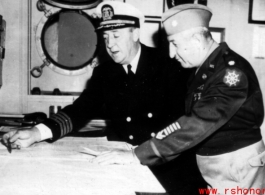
<point>61,169</point>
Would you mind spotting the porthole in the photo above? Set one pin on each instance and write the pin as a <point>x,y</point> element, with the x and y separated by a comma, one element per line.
<point>66,40</point>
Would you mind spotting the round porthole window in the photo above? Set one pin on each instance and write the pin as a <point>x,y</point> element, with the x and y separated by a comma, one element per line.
<point>66,40</point>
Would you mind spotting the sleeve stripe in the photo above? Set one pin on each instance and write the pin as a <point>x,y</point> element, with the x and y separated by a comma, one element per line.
<point>61,127</point>
<point>166,131</point>
<point>178,125</point>
<point>69,123</point>
<point>174,126</point>
<point>64,121</point>
<point>155,149</point>
<point>60,121</point>
<point>171,128</point>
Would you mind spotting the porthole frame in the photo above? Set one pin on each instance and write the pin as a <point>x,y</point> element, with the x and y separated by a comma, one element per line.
<point>56,67</point>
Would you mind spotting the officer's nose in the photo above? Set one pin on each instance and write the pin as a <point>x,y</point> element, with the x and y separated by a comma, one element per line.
<point>110,42</point>
<point>172,50</point>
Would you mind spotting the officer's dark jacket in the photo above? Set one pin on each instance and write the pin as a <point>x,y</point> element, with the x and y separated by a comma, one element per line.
<point>136,112</point>
<point>224,111</point>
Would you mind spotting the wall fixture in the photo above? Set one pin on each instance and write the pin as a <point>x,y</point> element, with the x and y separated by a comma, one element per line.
<point>256,11</point>
<point>172,3</point>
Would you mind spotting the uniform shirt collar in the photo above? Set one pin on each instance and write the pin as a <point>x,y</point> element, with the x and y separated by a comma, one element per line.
<point>211,58</point>
<point>134,62</point>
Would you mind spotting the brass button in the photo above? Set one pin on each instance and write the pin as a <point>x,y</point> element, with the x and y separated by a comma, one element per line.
<point>231,63</point>
<point>130,137</point>
<point>150,115</point>
<point>128,119</point>
<point>204,76</point>
<point>153,134</point>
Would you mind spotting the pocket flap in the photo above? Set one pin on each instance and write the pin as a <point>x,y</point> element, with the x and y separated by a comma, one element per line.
<point>257,161</point>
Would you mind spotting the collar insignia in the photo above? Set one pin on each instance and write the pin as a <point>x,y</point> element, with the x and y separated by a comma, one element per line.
<point>197,96</point>
<point>200,87</point>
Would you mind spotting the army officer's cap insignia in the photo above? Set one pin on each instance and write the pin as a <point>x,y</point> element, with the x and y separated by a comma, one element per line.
<point>107,12</point>
<point>232,77</point>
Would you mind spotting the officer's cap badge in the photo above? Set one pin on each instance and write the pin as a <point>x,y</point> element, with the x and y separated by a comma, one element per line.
<point>107,12</point>
<point>116,15</point>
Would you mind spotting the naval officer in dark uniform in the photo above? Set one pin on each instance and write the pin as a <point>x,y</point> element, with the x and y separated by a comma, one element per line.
<point>224,109</point>
<point>141,93</point>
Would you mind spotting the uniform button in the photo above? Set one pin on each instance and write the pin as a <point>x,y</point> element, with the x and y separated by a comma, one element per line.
<point>204,76</point>
<point>128,119</point>
<point>231,63</point>
<point>130,137</point>
<point>150,115</point>
<point>153,134</point>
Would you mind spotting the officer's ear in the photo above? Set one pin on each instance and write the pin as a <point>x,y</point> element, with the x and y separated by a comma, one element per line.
<point>198,41</point>
<point>136,34</point>
<point>197,37</point>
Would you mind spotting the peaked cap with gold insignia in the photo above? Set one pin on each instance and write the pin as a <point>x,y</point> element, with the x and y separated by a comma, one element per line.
<point>114,15</point>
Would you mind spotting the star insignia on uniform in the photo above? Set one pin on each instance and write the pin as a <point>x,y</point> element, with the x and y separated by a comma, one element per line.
<point>231,78</point>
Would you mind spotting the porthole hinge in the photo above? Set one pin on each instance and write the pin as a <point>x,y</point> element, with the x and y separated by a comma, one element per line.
<point>41,7</point>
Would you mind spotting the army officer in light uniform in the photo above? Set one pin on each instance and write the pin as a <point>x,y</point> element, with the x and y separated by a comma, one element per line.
<point>140,91</point>
<point>224,108</point>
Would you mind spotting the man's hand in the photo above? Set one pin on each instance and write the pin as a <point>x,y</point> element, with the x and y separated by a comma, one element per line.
<point>116,157</point>
<point>21,138</point>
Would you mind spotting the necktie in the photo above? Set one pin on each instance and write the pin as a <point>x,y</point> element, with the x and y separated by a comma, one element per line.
<point>130,74</point>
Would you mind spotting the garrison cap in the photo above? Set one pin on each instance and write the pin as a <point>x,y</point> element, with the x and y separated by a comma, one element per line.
<point>186,16</point>
<point>115,14</point>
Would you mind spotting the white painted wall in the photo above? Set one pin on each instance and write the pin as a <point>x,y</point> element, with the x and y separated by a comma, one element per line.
<point>233,16</point>
<point>229,14</point>
<point>10,99</point>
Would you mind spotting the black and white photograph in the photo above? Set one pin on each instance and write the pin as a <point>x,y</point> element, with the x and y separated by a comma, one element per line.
<point>132,97</point>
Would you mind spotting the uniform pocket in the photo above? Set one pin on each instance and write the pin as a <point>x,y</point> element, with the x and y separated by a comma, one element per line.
<point>258,160</point>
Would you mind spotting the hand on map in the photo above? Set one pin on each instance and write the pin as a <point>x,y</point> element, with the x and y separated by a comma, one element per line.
<point>117,156</point>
